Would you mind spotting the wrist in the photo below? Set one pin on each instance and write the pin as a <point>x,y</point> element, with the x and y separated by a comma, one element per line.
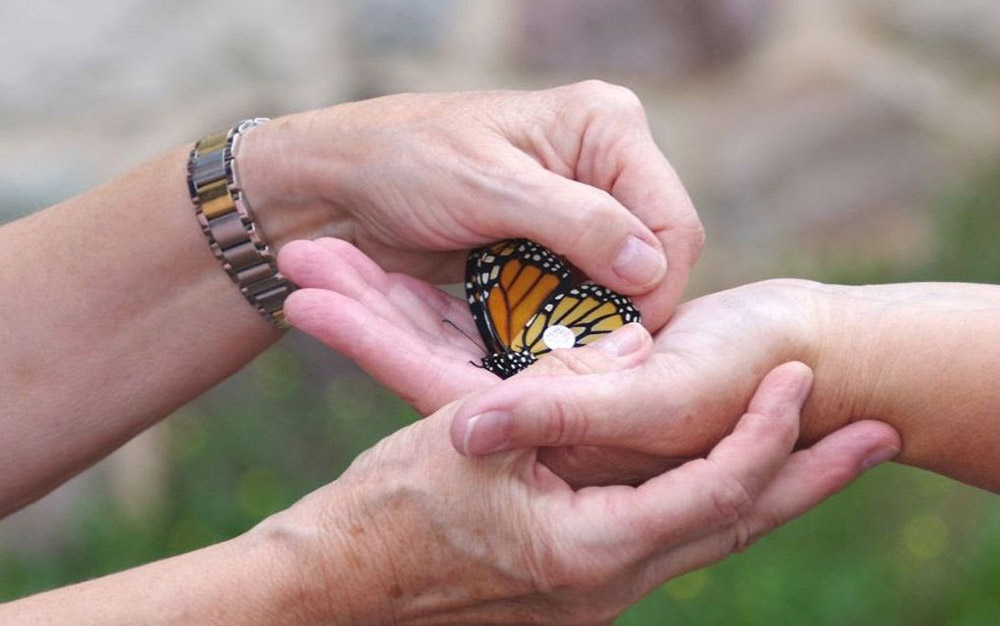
<point>842,358</point>
<point>917,355</point>
<point>334,562</point>
<point>278,175</point>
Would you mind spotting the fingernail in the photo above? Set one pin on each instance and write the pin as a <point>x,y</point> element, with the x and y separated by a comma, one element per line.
<point>880,455</point>
<point>488,432</point>
<point>803,390</point>
<point>639,263</point>
<point>625,340</point>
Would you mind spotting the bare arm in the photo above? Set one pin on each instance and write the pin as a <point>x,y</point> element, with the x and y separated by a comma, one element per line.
<point>923,358</point>
<point>117,313</point>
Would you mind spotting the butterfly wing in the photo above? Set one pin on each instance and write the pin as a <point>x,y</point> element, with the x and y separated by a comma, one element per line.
<point>588,311</point>
<point>522,299</point>
<point>507,284</point>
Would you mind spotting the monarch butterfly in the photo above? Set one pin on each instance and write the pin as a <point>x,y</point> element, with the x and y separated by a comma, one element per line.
<point>525,304</point>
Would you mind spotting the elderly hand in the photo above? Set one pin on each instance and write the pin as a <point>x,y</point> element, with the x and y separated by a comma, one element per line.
<point>415,532</point>
<point>416,180</point>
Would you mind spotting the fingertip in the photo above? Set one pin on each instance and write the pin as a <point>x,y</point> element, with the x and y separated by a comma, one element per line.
<point>294,254</point>
<point>627,340</point>
<point>457,431</point>
<point>301,304</point>
<point>884,442</point>
<point>334,245</point>
<point>785,388</point>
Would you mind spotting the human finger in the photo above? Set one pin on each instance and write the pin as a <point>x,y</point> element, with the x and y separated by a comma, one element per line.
<point>336,265</point>
<point>426,376</point>
<point>486,431</point>
<point>650,188</point>
<point>588,225</point>
<point>719,491</point>
<point>766,434</point>
<point>329,263</point>
<point>808,478</point>
<point>625,347</point>
<point>812,475</point>
<point>612,148</point>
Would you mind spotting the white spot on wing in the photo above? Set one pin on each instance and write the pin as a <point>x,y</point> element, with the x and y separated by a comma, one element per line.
<point>558,337</point>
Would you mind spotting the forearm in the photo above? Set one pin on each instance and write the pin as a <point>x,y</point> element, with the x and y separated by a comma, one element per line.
<point>246,581</point>
<point>116,313</point>
<point>918,357</point>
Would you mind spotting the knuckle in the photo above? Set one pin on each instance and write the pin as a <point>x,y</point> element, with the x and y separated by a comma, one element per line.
<point>563,425</point>
<point>590,87</point>
<point>784,432</point>
<point>696,234</point>
<point>751,528</point>
<point>582,360</point>
<point>730,498</point>
<point>742,536</point>
<point>597,206</point>
<point>555,426</point>
<point>596,222</point>
<point>609,96</point>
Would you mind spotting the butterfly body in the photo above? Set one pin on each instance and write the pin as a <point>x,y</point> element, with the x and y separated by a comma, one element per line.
<point>525,304</point>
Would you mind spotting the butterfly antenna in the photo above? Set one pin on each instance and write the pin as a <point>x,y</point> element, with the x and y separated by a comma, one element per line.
<point>464,334</point>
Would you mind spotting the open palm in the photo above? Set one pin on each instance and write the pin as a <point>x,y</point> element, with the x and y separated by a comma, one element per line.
<point>412,337</point>
<point>421,343</point>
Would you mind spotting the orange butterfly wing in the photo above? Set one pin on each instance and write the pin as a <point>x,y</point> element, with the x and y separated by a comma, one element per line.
<point>517,290</point>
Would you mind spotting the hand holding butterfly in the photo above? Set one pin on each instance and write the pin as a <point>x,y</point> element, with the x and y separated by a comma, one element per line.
<point>915,356</point>
<point>417,341</point>
<point>415,180</point>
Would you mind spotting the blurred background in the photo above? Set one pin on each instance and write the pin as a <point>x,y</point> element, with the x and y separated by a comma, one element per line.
<point>852,141</point>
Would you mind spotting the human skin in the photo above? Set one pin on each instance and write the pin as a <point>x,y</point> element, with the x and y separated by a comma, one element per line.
<point>116,312</point>
<point>415,533</point>
<point>914,356</point>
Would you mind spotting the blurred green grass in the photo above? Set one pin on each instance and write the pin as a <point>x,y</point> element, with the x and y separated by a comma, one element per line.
<point>900,546</point>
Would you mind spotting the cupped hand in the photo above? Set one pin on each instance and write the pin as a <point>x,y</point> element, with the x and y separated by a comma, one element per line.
<point>413,531</point>
<point>422,344</point>
<point>409,335</point>
<point>415,339</point>
<point>416,180</point>
<point>705,365</point>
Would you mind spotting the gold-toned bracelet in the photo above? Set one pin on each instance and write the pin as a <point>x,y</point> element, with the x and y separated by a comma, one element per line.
<point>225,217</point>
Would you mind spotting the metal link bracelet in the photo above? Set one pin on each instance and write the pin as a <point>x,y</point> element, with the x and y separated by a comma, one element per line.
<point>226,219</point>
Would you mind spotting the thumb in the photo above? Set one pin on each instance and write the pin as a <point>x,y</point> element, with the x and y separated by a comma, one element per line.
<point>547,396</point>
<point>592,229</point>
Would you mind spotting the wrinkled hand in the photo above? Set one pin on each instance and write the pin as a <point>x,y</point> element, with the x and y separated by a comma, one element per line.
<point>416,180</point>
<point>413,531</point>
